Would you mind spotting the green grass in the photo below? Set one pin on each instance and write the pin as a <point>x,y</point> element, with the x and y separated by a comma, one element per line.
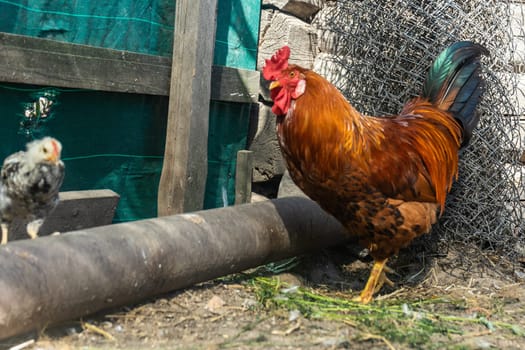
<point>429,323</point>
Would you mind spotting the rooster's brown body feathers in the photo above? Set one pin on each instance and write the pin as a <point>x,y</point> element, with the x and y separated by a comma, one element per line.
<point>384,178</point>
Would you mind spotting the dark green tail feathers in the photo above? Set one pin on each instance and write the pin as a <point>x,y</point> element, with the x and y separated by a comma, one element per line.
<point>454,83</point>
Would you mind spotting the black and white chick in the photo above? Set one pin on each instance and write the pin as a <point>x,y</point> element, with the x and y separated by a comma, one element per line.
<point>30,182</point>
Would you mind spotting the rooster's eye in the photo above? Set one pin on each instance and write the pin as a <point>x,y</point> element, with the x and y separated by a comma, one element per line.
<point>292,74</point>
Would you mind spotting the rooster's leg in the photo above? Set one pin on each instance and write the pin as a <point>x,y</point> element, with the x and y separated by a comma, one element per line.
<point>5,231</point>
<point>375,282</point>
<point>384,279</point>
<point>33,227</point>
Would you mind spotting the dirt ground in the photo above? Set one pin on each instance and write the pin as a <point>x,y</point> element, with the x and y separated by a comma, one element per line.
<point>232,312</point>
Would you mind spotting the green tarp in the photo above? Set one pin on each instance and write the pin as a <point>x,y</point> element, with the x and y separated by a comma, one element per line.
<point>110,140</point>
<point>114,140</point>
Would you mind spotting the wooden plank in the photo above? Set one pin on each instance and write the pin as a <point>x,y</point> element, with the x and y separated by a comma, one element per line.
<point>76,210</point>
<point>243,177</point>
<point>184,170</point>
<point>234,85</point>
<point>39,61</point>
<point>28,60</point>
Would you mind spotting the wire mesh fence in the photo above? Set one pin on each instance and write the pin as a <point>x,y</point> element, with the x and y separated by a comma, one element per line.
<point>378,53</point>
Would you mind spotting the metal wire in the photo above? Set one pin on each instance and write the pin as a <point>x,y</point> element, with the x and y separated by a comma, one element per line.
<point>378,52</point>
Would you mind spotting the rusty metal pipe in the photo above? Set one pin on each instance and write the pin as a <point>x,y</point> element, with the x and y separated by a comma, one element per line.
<point>54,279</point>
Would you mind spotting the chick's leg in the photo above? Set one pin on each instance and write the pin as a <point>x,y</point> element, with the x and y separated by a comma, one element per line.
<point>375,282</point>
<point>33,227</point>
<point>5,231</point>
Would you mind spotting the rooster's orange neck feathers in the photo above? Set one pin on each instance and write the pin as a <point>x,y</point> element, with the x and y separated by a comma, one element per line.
<point>316,116</point>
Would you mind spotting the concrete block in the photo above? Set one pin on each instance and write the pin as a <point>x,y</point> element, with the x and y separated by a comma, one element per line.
<point>76,210</point>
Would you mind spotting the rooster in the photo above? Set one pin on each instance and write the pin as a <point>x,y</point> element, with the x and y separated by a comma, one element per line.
<point>29,185</point>
<point>384,178</point>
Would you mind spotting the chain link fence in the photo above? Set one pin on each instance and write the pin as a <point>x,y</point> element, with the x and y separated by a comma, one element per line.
<point>378,53</point>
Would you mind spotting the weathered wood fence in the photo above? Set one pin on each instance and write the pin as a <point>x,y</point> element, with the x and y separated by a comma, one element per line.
<point>188,78</point>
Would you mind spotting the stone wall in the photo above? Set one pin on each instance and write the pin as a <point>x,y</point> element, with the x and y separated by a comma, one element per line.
<point>282,22</point>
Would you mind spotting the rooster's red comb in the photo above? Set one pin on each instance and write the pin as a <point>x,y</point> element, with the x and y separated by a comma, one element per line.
<point>276,64</point>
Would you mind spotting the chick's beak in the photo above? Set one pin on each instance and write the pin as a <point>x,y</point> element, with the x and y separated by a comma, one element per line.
<point>54,155</point>
<point>274,84</point>
<point>53,158</point>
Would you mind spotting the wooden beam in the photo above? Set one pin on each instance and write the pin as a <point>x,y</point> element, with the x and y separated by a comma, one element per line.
<point>184,170</point>
<point>37,61</point>
<point>29,60</point>
<point>243,177</point>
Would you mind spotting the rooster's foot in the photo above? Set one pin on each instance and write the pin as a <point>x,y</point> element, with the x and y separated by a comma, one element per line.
<point>376,280</point>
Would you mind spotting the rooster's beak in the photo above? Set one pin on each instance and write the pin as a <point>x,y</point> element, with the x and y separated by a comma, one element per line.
<point>274,84</point>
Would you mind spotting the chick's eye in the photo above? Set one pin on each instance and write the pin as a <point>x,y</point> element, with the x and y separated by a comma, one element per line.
<point>44,150</point>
